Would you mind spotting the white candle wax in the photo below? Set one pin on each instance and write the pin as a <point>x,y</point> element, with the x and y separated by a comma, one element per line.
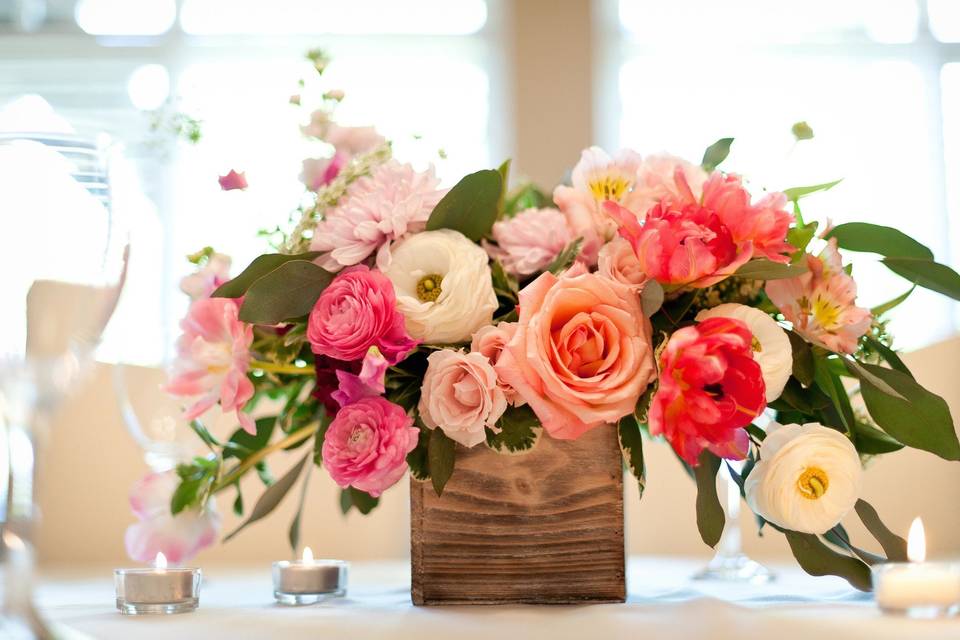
<point>157,589</point>
<point>307,581</point>
<point>902,586</point>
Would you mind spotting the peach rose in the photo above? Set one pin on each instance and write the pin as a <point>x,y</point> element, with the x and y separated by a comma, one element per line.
<point>460,396</point>
<point>490,341</point>
<point>581,356</point>
<point>618,262</point>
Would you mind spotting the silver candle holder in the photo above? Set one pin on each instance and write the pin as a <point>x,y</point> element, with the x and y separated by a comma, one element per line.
<point>157,589</point>
<point>308,581</point>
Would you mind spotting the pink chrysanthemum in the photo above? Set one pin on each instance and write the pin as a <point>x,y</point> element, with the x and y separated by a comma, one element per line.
<point>530,241</point>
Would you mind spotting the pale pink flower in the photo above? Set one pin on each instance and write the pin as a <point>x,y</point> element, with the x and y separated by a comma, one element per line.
<point>353,140</point>
<point>319,172</point>
<point>213,355</point>
<point>821,304</point>
<point>319,123</point>
<point>233,180</point>
<point>205,280</point>
<point>178,537</point>
<point>376,211</point>
<point>367,444</point>
<point>596,178</point>
<point>460,396</point>
<point>490,341</point>
<point>368,383</point>
<point>656,180</point>
<point>529,241</point>
<point>617,261</point>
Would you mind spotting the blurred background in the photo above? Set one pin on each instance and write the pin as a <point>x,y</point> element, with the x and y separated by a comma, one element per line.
<point>483,80</point>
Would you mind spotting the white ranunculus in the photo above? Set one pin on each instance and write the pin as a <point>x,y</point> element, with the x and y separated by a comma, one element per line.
<point>443,284</point>
<point>807,479</point>
<point>771,349</point>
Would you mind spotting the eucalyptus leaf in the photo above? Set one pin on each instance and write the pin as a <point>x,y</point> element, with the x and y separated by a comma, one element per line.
<point>631,445</point>
<point>927,274</point>
<point>893,545</point>
<point>287,292</point>
<point>881,309</point>
<point>293,535</point>
<point>889,355</point>
<point>763,269</point>
<point>873,441</point>
<point>361,500</point>
<point>716,154</point>
<point>261,266</point>
<point>839,536</point>
<point>795,193</point>
<point>441,457</point>
<point>470,207</point>
<point>875,238</point>
<point>818,559</point>
<point>710,515</point>
<point>272,497</point>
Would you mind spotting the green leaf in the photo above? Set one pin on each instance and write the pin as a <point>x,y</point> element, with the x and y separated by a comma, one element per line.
<point>881,309</point>
<point>803,368</point>
<point>504,171</point>
<point>441,457</point>
<point>353,497</point>
<point>799,237</point>
<point>293,535</point>
<point>242,444</point>
<point>889,355</point>
<point>839,536</point>
<point>566,257</point>
<point>763,269</point>
<point>831,385</point>
<point>186,494</point>
<point>913,416</point>
<point>417,459</point>
<point>204,434</point>
<point>893,545</point>
<point>261,266</point>
<point>631,445</point>
<point>795,193</point>
<point>526,196</point>
<point>875,238</point>
<point>504,284</point>
<point>287,292</point>
<point>872,441</point>
<point>928,274</point>
<point>801,131</point>
<point>271,497</point>
<point>470,207</point>
<point>716,153</point>
<point>519,431</point>
<point>710,515</point>
<point>818,559</point>
<point>238,502</point>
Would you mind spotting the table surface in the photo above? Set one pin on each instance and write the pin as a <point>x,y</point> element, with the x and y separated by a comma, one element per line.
<point>662,603</point>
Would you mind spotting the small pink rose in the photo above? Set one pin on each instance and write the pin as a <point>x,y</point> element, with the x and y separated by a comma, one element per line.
<point>490,341</point>
<point>233,180</point>
<point>618,262</point>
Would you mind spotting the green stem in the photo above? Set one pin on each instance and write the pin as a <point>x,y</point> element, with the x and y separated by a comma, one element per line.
<point>289,369</point>
<point>237,472</point>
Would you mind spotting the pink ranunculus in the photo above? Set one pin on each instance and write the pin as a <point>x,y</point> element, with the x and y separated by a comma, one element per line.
<point>367,444</point>
<point>178,537</point>
<point>366,384</point>
<point>490,341</point>
<point>684,245</point>
<point>617,261</point>
<point>710,389</point>
<point>581,356</point>
<point>596,178</point>
<point>460,395</point>
<point>764,224</point>
<point>376,211</point>
<point>821,304</point>
<point>205,280</point>
<point>213,355</point>
<point>233,180</point>
<point>358,310</point>
<point>319,172</point>
<point>529,241</point>
<point>656,180</point>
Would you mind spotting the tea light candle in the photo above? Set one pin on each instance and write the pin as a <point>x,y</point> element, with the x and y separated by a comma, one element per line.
<point>307,581</point>
<point>157,589</point>
<point>918,589</point>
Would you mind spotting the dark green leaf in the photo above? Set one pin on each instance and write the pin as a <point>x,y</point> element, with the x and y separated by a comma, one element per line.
<point>204,434</point>
<point>519,431</point>
<point>417,459</point>
<point>833,388</point>
<point>504,284</point>
<point>271,497</point>
<point>716,153</point>
<point>928,274</point>
<point>293,535</point>
<point>470,207</point>
<point>263,472</point>
<point>893,545</point>
<point>504,171</point>
<point>839,536</point>
<point>287,292</point>
<point>889,355</point>
<point>363,501</point>
<point>631,445</point>
<point>242,444</point>
<point>710,515</point>
<point>795,193</point>
<point>566,257</point>
<point>186,494</point>
<point>260,267</point>
<point>441,457</point>
<point>803,368</point>
<point>875,238</point>
<point>881,309</point>
<point>872,441</point>
<point>763,269</point>
<point>917,418</point>
<point>238,503</point>
<point>818,559</point>
<point>526,196</point>
<point>673,311</point>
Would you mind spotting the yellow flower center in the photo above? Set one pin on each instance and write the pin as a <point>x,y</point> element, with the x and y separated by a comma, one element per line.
<point>825,312</point>
<point>428,287</point>
<point>609,187</point>
<point>755,344</point>
<point>813,483</point>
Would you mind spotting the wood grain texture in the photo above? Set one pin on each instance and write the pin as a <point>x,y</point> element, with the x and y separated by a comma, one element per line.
<point>542,527</point>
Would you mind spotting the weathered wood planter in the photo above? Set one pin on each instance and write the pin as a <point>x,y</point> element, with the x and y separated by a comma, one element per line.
<point>543,527</point>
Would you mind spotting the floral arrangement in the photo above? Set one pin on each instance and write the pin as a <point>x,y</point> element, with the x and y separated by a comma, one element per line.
<point>399,322</point>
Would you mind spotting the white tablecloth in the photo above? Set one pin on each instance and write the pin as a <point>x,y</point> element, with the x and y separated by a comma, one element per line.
<point>663,603</point>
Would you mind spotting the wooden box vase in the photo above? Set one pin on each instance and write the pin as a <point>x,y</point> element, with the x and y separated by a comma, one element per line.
<point>541,527</point>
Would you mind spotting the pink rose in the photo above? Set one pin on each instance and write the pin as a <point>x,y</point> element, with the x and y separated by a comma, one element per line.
<point>213,355</point>
<point>367,444</point>
<point>581,356</point>
<point>460,395</point>
<point>490,341</point>
<point>233,180</point>
<point>618,262</point>
<point>358,311</point>
<point>529,241</point>
<point>178,537</point>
